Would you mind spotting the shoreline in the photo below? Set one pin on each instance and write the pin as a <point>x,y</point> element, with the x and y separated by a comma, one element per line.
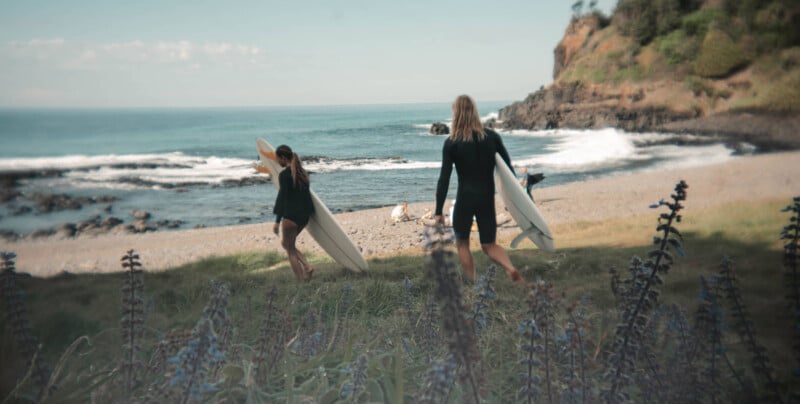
<point>744,179</point>
<point>109,219</point>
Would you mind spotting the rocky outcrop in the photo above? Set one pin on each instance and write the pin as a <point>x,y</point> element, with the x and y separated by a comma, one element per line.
<point>439,128</point>
<point>575,105</point>
<point>605,79</point>
<point>577,34</point>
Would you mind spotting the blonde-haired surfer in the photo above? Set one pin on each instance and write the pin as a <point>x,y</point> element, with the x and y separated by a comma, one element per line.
<point>471,148</point>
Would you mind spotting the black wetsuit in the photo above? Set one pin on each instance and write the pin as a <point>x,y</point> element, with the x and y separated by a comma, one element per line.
<point>474,161</point>
<point>293,203</point>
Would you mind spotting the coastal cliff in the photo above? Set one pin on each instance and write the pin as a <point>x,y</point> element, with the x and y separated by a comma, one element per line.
<point>706,67</point>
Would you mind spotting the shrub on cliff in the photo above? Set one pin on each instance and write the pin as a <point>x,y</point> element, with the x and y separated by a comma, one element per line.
<point>719,56</point>
<point>784,94</point>
<point>699,22</point>
<point>644,20</point>
<point>677,47</point>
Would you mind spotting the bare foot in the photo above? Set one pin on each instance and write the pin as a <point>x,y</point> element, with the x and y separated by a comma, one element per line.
<point>517,277</point>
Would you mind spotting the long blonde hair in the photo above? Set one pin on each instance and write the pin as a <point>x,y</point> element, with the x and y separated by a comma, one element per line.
<point>466,120</point>
<point>299,174</point>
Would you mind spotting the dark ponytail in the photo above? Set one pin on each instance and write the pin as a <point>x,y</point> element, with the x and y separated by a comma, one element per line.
<point>299,174</point>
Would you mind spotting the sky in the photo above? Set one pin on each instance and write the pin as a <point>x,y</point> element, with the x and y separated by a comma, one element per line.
<point>199,53</point>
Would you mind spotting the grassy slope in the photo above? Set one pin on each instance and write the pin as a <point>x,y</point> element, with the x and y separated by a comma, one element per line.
<point>64,308</point>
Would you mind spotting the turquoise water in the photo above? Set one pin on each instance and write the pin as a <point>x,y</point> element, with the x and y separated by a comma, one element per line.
<point>195,164</point>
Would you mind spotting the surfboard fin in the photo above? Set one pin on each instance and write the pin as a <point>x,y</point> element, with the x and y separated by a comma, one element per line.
<point>525,234</point>
<point>519,238</point>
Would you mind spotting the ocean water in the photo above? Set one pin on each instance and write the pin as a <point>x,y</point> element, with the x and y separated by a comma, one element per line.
<point>195,165</point>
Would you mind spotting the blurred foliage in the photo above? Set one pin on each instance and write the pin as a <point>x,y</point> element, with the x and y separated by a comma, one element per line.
<point>644,20</point>
<point>678,47</point>
<point>783,95</point>
<point>718,56</point>
<point>774,23</point>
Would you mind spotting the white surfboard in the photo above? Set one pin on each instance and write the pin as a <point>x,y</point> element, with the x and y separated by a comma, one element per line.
<point>322,226</point>
<point>521,208</point>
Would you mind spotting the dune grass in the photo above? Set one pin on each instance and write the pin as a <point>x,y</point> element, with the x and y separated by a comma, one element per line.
<point>369,314</point>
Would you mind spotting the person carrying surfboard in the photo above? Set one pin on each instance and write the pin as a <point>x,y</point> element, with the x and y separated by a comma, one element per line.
<point>293,207</point>
<point>471,148</point>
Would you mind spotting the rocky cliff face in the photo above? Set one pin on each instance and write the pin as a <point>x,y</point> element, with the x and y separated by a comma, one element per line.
<point>576,105</point>
<point>605,79</point>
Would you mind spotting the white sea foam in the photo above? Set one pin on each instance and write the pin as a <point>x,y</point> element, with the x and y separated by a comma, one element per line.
<point>672,156</point>
<point>330,165</point>
<point>577,150</point>
<point>212,170</point>
<point>491,115</point>
<point>570,151</point>
<point>74,162</point>
<point>148,170</point>
<point>154,171</point>
<point>588,150</point>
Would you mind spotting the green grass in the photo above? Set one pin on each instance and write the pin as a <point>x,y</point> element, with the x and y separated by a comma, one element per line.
<point>63,308</point>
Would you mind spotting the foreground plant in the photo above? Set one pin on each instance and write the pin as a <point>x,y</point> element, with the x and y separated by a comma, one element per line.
<point>729,285</point>
<point>17,317</point>
<point>272,338</point>
<point>538,346</point>
<point>638,296</point>
<point>132,323</point>
<point>461,340</point>
<point>486,293</point>
<point>791,236</point>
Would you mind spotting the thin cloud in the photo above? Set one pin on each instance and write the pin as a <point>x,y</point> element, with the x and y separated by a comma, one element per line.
<point>61,54</point>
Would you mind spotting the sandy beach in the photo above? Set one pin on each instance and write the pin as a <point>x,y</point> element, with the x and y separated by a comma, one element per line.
<point>756,178</point>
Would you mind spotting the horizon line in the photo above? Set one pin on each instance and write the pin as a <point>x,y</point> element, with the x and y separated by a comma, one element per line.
<point>31,107</point>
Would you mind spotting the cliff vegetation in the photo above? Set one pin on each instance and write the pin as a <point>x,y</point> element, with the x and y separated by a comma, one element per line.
<point>706,66</point>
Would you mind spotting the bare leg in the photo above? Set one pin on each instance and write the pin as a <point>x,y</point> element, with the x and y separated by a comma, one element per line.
<point>498,255</point>
<point>290,231</point>
<point>465,256</point>
<point>305,264</point>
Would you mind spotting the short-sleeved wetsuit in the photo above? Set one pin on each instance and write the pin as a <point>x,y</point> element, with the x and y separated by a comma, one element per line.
<point>474,161</point>
<point>293,203</point>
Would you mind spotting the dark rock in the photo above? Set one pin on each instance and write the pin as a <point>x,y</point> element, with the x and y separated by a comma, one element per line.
<point>766,131</point>
<point>169,224</point>
<point>122,229</point>
<point>199,226</point>
<point>140,215</point>
<point>574,105</point>
<point>41,233</point>
<point>66,230</point>
<point>8,235</point>
<point>439,128</point>
<point>10,179</point>
<point>22,210</point>
<point>47,203</point>
<point>241,182</point>
<point>141,226</point>
<point>110,222</point>
<point>8,194</point>
<point>88,224</point>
